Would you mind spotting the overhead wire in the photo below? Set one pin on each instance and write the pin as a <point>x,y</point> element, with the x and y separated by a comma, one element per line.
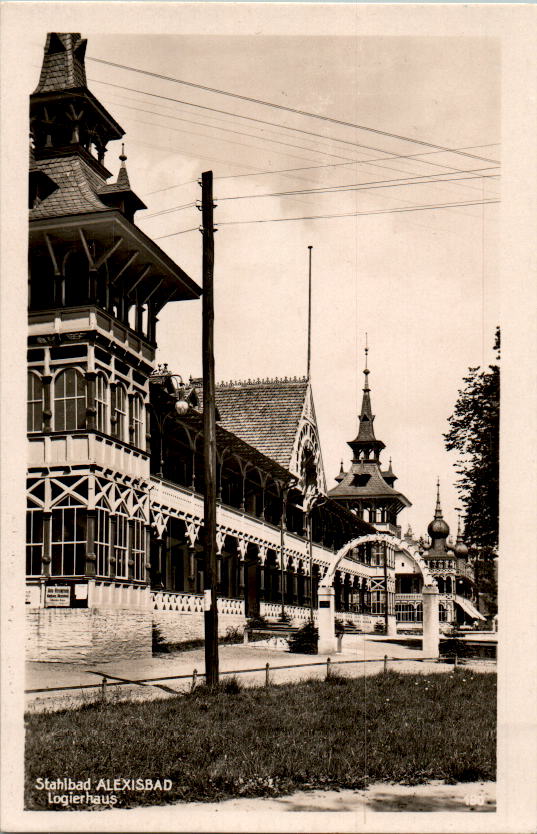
<point>346,214</point>
<point>304,168</point>
<point>288,109</point>
<point>330,190</point>
<point>263,121</point>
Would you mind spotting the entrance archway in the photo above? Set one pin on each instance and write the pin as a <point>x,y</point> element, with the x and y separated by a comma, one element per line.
<point>326,606</point>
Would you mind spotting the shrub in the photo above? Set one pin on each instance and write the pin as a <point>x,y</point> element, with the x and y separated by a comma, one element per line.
<point>305,640</point>
<point>234,634</point>
<point>380,628</point>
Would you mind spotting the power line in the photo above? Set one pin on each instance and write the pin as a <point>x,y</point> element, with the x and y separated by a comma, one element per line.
<point>313,168</point>
<point>290,109</point>
<point>347,214</point>
<point>273,124</point>
<point>331,190</point>
<point>227,130</point>
<point>340,164</point>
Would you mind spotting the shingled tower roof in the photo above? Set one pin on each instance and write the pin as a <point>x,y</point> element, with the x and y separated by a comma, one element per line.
<point>365,441</point>
<point>63,63</point>
<point>365,482</point>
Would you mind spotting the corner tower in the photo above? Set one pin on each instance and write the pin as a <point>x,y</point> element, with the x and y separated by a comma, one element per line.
<point>96,285</point>
<point>368,492</point>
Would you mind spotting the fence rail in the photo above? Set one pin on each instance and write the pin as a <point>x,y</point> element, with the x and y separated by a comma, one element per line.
<point>113,680</point>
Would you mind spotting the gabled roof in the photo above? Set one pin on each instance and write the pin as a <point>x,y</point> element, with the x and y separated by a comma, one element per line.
<point>264,413</point>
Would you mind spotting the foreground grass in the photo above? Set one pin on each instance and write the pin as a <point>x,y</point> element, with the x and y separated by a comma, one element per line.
<point>259,742</point>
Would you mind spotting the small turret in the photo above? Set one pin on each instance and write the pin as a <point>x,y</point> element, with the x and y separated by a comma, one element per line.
<point>460,549</point>
<point>341,474</point>
<point>438,528</point>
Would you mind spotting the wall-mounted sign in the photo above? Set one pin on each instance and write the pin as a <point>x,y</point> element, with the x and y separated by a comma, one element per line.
<point>57,596</point>
<point>81,591</point>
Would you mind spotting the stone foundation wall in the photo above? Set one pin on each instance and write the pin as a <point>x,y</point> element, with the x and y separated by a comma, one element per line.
<point>179,627</point>
<point>87,635</point>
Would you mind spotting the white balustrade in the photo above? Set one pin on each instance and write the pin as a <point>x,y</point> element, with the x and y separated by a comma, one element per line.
<point>270,609</point>
<point>183,603</point>
<point>234,607</point>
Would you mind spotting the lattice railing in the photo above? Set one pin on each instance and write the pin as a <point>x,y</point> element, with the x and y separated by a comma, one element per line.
<point>231,606</point>
<point>184,603</point>
<point>193,603</point>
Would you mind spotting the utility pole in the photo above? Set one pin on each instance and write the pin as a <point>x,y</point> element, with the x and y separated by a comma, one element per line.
<point>309,313</point>
<point>209,435</point>
<point>385,547</point>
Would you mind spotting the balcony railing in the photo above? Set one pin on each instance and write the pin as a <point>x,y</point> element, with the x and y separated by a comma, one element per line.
<point>185,603</point>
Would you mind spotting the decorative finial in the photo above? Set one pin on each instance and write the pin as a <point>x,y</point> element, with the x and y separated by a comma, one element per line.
<point>438,510</point>
<point>122,156</point>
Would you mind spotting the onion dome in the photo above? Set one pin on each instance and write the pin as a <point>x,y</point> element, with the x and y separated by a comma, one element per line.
<point>438,528</point>
<point>460,549</point>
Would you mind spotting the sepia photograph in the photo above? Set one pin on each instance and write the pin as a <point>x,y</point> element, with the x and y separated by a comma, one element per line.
<point>257,305</point>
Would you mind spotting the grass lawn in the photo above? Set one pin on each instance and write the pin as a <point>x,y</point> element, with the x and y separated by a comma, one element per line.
<point>343,732</point>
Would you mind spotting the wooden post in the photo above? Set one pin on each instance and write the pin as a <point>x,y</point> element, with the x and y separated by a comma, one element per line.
<point>267,674</point>
<point>103,690</point>
<point>209,434</point>
<point>327,668</point>
<point>194,679</point>
<point>385,663</point>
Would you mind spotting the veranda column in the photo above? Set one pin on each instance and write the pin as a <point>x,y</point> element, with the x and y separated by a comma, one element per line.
<point>326,621</point>
<point>431,629</point>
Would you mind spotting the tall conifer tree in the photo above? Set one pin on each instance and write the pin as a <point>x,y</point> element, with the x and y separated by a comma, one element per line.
<point>475,434</point>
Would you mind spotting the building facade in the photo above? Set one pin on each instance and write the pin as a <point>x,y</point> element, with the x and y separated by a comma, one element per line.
<point>115,545</point>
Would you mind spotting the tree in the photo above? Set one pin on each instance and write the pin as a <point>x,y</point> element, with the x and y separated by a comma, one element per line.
<point>475,434</point>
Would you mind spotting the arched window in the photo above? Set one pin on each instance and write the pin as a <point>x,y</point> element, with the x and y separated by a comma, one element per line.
<point>121,413</point>
<point>35,403</point>
<point>136,421</point>
<point>448,585</point>
<point>101,403</point>
<point>69,400</point>
<point>442,613</point>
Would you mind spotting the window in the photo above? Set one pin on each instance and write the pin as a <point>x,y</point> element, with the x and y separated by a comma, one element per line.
<point>120,412</point>
<point>137,421</point>
<point>68,542</point>
<point>34,542</point>
<point>121,544</point>
<point>442,613</point>
<point>377,602</point>
<point>102,542</point>
<point>69,400</point>
<point>35,403</point>
<point>406,612</point>
<point>101,403</point>
<point>138,550</point>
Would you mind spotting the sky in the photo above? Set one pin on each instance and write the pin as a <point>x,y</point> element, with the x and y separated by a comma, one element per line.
<point>422,284</point>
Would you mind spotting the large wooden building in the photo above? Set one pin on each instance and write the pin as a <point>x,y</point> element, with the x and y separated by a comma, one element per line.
<point>115,469</point>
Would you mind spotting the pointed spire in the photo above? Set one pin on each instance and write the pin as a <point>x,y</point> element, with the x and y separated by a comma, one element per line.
<point>365,445</point>
<point>341,474</point>
<point>438,510</point>
<point>438,529</point>
<point>123,177</point>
